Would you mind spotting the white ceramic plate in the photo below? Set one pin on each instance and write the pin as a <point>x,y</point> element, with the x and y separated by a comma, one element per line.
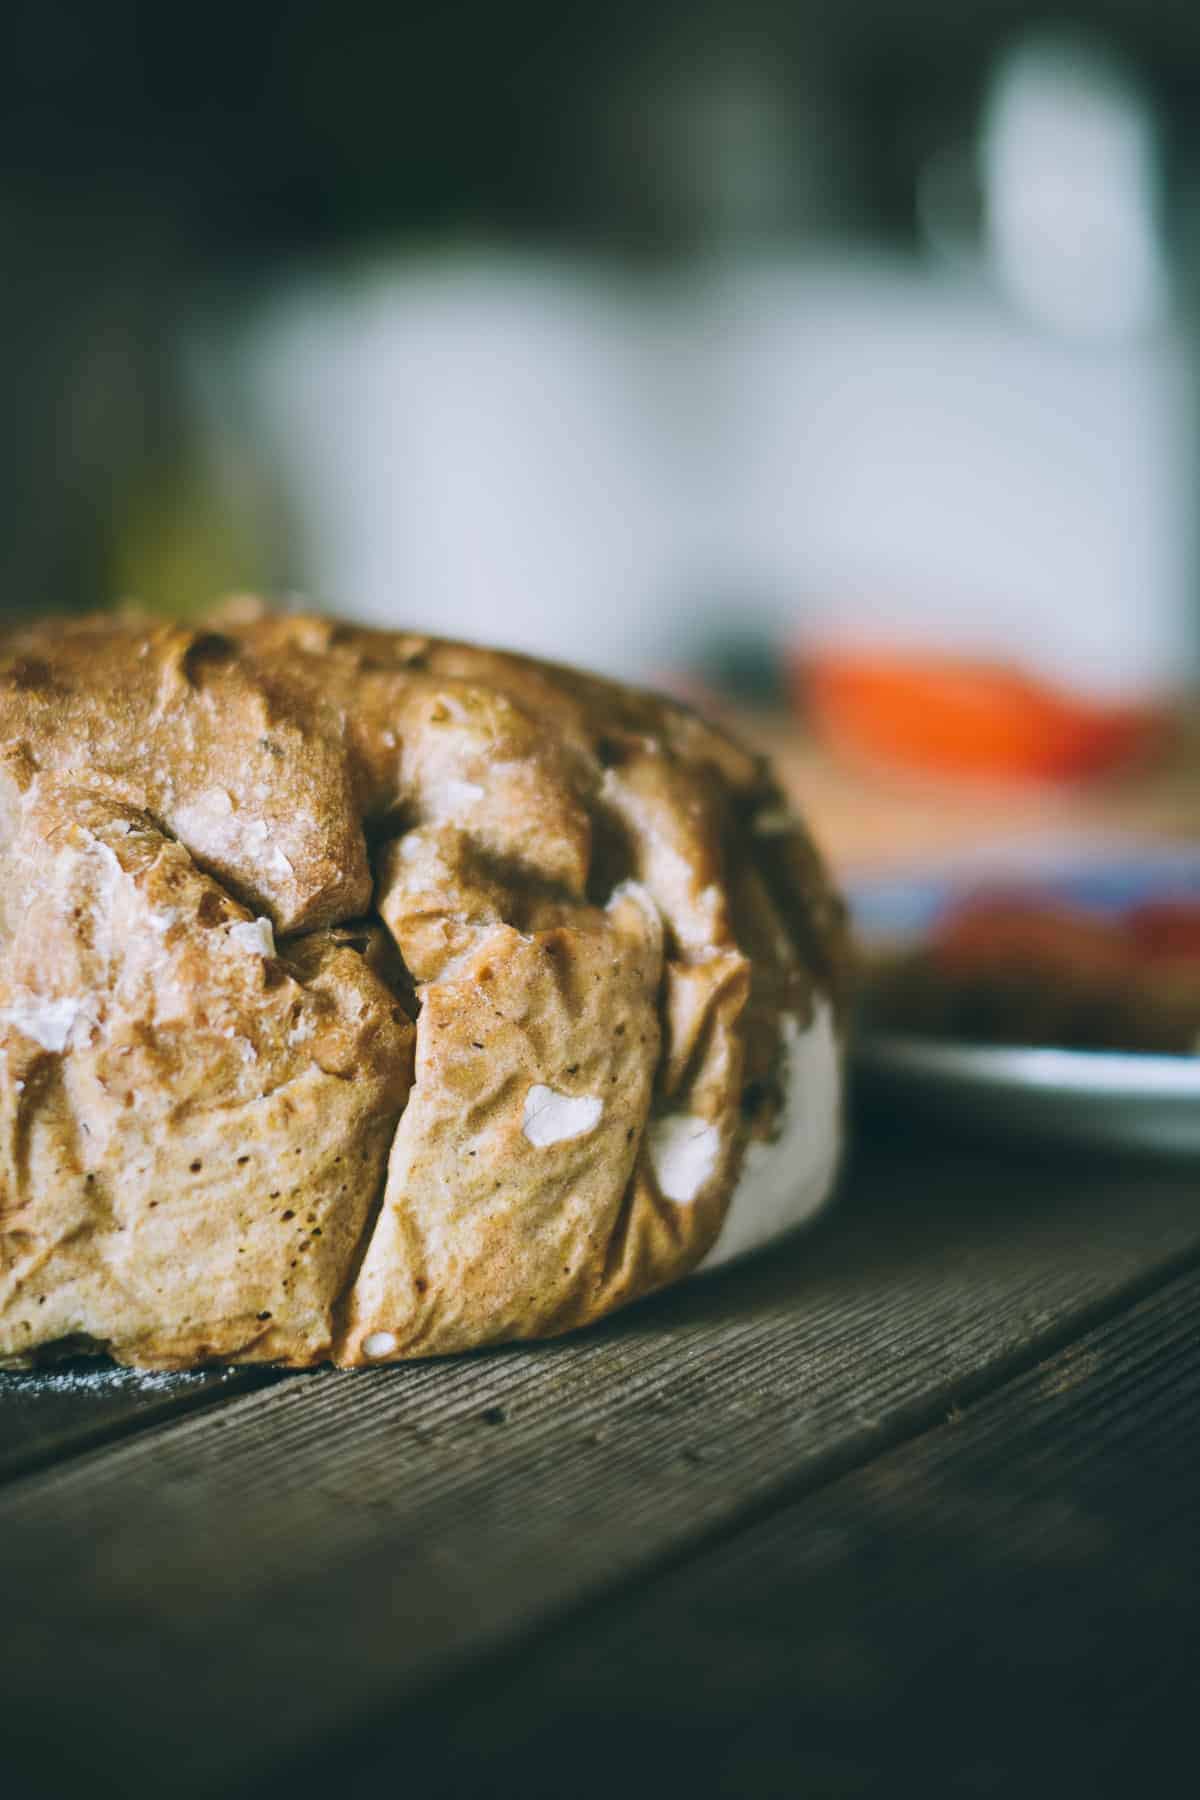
<point>1075,1096</point>
<point>1080,1097</point>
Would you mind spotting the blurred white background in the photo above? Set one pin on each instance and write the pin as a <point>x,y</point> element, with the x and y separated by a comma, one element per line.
<point>663,340</point>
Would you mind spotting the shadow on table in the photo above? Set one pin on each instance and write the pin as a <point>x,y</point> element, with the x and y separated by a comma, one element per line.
<point>907,1200</point>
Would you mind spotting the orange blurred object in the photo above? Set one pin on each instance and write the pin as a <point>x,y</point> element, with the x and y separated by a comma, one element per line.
<point>971,719</point>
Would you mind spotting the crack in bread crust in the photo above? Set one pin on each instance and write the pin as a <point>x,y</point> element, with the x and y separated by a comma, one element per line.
<point>236,862</point>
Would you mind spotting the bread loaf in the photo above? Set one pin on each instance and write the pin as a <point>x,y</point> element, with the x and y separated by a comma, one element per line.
<point>365,996</point>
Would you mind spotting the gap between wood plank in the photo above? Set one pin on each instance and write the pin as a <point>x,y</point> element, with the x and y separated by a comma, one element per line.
<point>56,1413</point>
<point>374,1742</point>
<point>40,1429</point>
<point>293,1562</point>
<point>1004,1605</point>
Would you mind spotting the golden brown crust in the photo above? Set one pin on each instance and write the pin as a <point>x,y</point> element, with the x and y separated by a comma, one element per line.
<point>243,1118</point>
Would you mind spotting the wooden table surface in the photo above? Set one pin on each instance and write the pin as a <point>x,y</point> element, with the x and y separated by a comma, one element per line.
<point>913,1498</point>
<point>868,818</point>
<point>909,1504</point>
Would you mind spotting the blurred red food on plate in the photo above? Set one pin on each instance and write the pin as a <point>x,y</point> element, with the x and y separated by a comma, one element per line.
<point>1165,930</point>
<point>1029,935</point>
<point>1020,930</point>
<point>1019,969</point>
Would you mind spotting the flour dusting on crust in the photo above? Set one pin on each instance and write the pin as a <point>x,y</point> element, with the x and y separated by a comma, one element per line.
<point>364,996</point>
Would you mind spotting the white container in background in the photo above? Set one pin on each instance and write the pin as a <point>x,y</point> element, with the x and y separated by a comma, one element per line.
<point>480,447</point>
<point>854,448</point>
<point>909,462</point>
<point>991,451</point>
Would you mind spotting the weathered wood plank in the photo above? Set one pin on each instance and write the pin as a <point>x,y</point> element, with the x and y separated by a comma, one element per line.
<point>1006,1605</point>
<point>296,1559</point>
<point>55,1413</point>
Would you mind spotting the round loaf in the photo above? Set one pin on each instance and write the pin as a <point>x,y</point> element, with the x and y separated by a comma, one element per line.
<point>365,996</point>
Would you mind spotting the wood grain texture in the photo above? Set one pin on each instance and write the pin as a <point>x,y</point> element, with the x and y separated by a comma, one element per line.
<point>1007,1605</point>
<point>220,1593</point>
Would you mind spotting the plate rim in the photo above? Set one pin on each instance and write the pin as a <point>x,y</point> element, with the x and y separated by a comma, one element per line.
<point>1085,1074</point>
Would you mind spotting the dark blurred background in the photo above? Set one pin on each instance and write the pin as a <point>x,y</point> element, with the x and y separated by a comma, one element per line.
<point>657,334</point>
